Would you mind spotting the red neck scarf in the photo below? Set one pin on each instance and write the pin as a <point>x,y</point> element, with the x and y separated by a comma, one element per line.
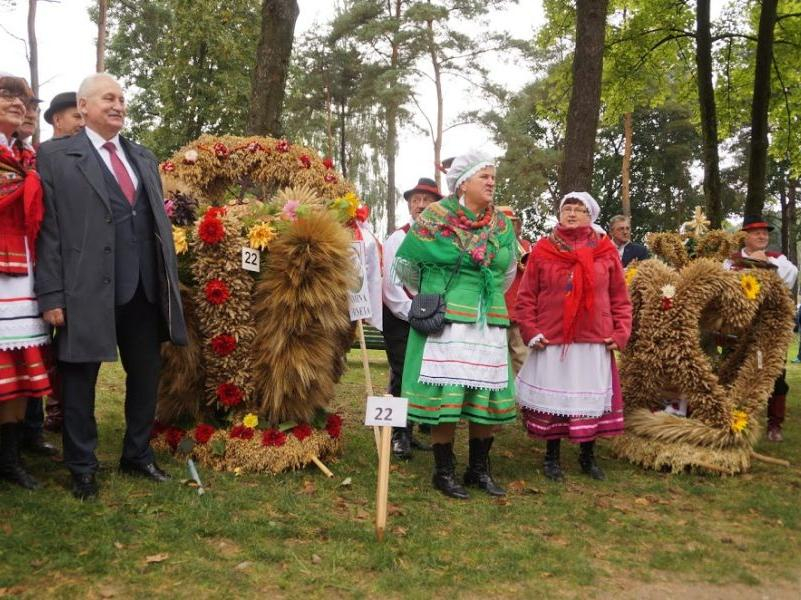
<point>581,287</point>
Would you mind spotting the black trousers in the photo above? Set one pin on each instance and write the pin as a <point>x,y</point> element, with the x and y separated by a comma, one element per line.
<point>396,334</point>
<point>137,326</point>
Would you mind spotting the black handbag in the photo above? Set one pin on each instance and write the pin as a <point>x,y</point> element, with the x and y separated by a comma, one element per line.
<point>427,314</point>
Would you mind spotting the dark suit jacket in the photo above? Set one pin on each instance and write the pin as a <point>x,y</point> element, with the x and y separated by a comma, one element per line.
<point>634,251</point>
<point>76,246</point>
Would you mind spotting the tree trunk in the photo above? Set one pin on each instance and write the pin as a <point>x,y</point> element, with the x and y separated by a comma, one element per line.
<point>391,149</point>
<point>343,158</point>
<point>272,64</point>
<point>792,191</point>
<point>33,58</point>
<point>758,151</point>
<point>435,63</point>
<point>102,22</point>
<point>785,208</point>
<point>585,97</point>
<point>624,192</point>
<point>708,112</point>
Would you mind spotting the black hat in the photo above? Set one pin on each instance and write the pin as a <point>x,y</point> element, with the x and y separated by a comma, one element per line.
<point>59,103</point>
<point>425,185</point>
<point>752,222</point>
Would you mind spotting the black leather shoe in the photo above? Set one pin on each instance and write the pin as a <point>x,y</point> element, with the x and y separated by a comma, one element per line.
<point>587,461</point>
<point>84,486</point>
<point>149,470</point>
<point>18,475</point>
<point>444,478</point>
<point>401,443</point>
<point>478,472</point>
<point>36,444</point>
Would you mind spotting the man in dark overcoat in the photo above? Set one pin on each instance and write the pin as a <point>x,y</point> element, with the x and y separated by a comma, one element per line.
<point>106,278</point>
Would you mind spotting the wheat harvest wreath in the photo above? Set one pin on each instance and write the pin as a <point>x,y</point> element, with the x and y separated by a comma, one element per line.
<point>251,391</point>
<point>706,347</point>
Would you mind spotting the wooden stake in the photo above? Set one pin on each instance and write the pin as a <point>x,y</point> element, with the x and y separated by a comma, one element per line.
<point>368,380</point>
<point>382,489</point>
<point>326,471</point>
<point>770,459</point>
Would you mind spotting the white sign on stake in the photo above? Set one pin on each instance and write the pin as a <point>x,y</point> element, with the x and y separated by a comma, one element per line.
<point>359,296</point>
<point>386,411</point>
<point>251,259</point>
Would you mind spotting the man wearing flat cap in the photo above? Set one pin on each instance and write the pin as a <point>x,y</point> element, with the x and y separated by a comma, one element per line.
<point>755,255</point>
<point>63,115</point>
<point>397,302</point>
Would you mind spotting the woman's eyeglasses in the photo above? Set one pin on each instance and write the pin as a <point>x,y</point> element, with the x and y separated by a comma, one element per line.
<point>577,210</point>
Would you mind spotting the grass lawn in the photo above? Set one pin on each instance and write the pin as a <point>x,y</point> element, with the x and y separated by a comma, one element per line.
<point>639,534</point>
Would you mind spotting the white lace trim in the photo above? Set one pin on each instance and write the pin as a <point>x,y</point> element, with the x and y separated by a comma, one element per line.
<point>460,382</point>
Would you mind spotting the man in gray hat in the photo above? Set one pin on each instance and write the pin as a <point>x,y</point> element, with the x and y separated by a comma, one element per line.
<point>63,115</point>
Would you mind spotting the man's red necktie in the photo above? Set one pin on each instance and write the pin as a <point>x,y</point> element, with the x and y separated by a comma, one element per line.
<point>121,173</point>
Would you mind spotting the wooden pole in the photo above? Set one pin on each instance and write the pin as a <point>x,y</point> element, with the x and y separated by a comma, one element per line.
<point>382,489</point>
<point>368,381</point>
<point>326,471</point>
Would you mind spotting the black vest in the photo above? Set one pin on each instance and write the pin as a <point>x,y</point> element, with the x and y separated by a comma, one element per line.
<point>134,240</point>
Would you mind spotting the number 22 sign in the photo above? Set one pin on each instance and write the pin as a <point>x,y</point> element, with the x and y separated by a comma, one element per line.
<point>250,259</point>
<point>383,411</point>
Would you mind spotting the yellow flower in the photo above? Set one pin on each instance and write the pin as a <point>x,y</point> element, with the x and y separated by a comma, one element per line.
<point>179,239</point>
<point>260,236</point>
<point>347,204</point>
<point>250,421</point>
<point>750,286</point>
<point>739,421</point>
<point>631,272</point>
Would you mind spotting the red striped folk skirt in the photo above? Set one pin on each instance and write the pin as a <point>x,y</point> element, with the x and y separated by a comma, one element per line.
<point>24,373</point>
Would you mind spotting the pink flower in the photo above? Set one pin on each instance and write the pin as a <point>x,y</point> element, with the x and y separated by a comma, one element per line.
<point>290,210</point>
<point>282,146</point>
<point>329,178</point>
<point>478,253</point>
<point>169,208</point>
<point>254,147</point>
<point>168,166</point>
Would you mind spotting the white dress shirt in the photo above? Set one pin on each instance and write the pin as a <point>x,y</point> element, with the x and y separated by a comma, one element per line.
<point>785,269</point>
<point>98,141</point>
<point>394,294</point>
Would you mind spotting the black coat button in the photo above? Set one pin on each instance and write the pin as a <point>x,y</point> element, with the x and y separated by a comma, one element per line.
<point>107,280</point>
<point>107,249</point>
<point>108,218</point>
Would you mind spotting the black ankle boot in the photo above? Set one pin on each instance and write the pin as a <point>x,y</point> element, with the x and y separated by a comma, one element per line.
<point>478,471</point>
<point>587,461</point>
<point>402,443</point>
<point>551,468</point>
<point>444,478</point>
<point>11,468</point>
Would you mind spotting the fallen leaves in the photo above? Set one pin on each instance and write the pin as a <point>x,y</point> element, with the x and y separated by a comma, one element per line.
<point>308,487</point>
<point>156,558</point>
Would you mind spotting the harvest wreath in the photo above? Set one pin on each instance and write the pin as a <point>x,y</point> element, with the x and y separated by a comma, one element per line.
<point>251,391</point>
<point>706,347</point>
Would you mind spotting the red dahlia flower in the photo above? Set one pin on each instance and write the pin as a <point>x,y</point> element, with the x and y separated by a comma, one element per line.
<point>203,433</point>
<point>273,437</point>
<point>229,394</point>
<point>217,292</point>
<point>223,344</point>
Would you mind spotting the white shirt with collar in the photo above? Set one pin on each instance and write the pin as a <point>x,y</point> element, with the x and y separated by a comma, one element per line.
<point>98,141</point>
<point>394,294</point>
<point>621,248</point>
<point>786,270</point>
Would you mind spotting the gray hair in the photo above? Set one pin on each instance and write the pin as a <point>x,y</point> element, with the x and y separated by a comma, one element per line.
<point>617,219</point>
<point>88,84</point>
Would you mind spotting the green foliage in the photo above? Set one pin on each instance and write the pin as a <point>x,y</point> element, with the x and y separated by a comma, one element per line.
<point>188,64</point>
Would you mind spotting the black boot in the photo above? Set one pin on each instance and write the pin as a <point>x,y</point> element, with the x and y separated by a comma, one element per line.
<point>478,471</point>
<point>551,468</point>
<point>11,467</point>
<point>444,478</point>
<point>587,461</point>
<point>417,444</point>
<point>402,442</point>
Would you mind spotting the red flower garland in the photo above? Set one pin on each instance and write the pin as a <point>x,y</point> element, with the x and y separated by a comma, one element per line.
<point>328,162</point>
<point>273,437</point>
<point>229,394</point>
<point>211,229</point>
<point>329,178</point>
<point>302,431</point>
<point>217,292</point>
<point>203,433</point>
<point>168,166</point>
<point>282,146</point>
<point>305,161</point>
<point>240,432</point>
<point>334,426</point>
<point>223,344</point>
<point>174,436</point>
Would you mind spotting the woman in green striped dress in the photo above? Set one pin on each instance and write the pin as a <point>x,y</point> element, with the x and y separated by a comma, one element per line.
<point>463,248</point>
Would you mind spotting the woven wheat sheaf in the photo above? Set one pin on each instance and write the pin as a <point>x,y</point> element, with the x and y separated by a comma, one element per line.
<point>715,338</point>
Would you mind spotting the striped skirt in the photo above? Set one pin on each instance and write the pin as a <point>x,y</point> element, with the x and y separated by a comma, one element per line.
<point>461,373</point>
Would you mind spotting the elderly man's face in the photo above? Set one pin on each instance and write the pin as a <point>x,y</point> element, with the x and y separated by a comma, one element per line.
<point>104,107</point>
<point>67,122</point>
<point>756,239</point>
<point>418,203</point>
<point>29,122</point>
<point>621,232</point>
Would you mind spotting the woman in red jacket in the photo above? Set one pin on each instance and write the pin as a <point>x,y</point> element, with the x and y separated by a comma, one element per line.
<point>574,312</point>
